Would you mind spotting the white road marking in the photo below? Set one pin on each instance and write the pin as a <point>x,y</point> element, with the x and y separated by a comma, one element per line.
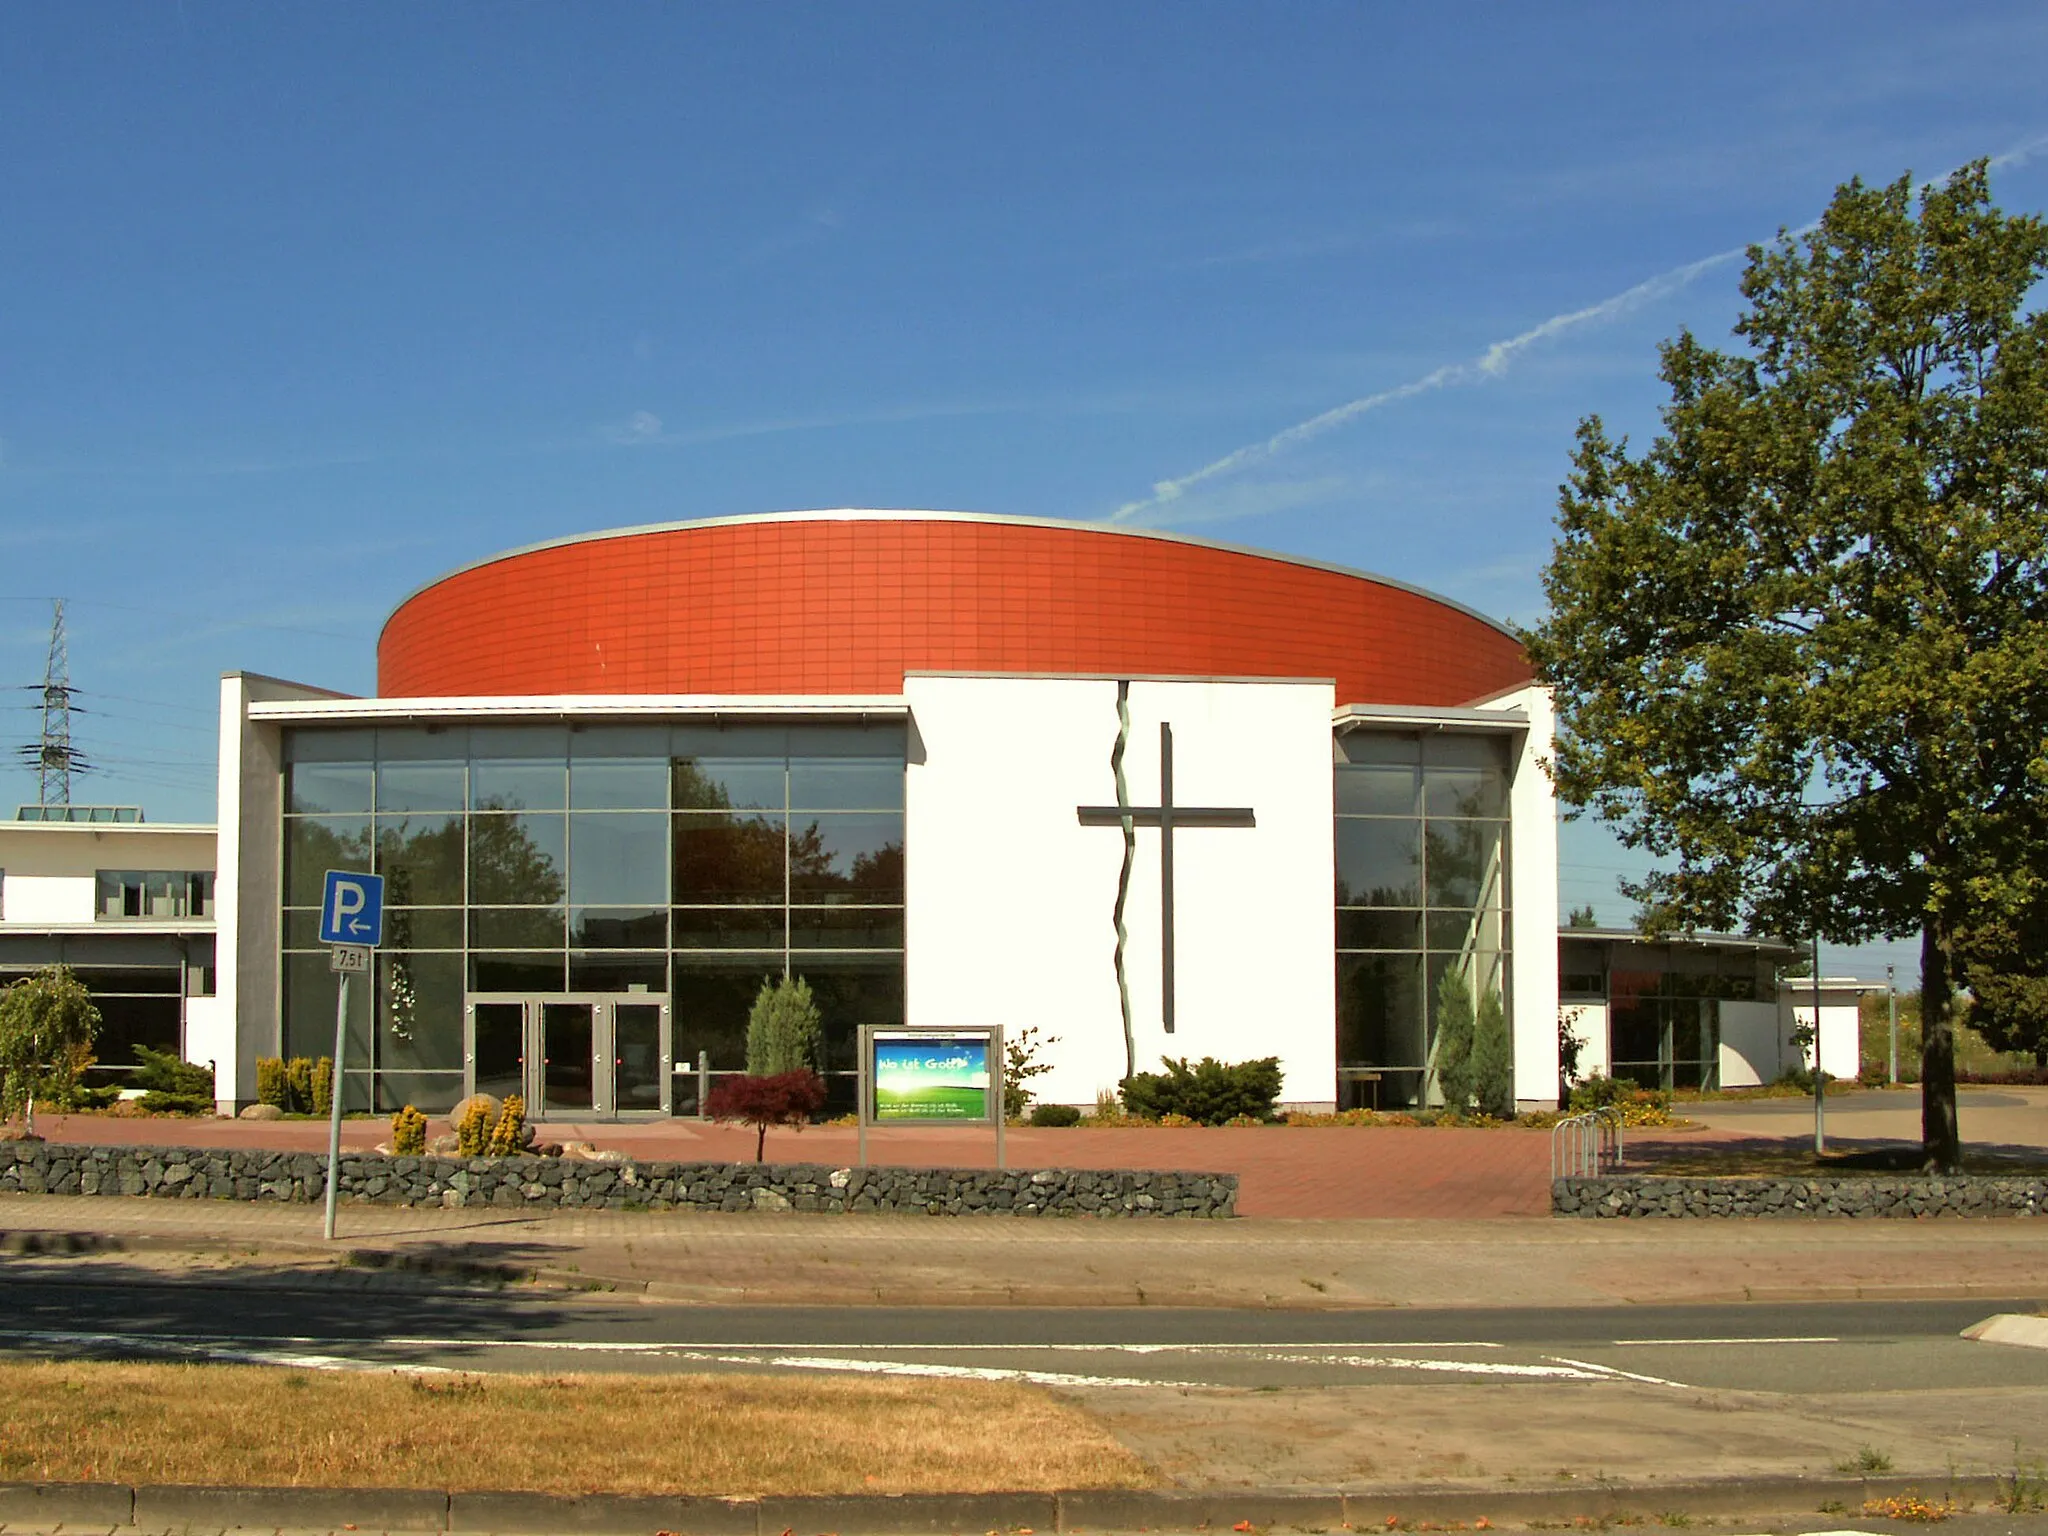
<point>660,1346</point>
<point>966,1372</point>
<point>227,1351</point>
<point>1609,1370</point>
<point>1788,1339</point>
<point>1567,1370</point>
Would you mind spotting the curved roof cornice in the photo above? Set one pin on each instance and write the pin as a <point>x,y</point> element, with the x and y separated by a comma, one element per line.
<point>897,515</point>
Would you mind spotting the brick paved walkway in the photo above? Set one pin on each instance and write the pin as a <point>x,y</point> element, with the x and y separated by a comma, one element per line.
<point>1338,1171</point>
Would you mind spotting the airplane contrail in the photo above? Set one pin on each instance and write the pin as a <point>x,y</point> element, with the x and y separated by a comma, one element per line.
<point>1490,364</point>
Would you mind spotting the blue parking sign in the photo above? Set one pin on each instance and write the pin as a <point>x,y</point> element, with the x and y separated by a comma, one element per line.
<point>352,909</point>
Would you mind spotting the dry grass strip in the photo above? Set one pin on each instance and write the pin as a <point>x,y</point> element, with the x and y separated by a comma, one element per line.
<point>713,1434</point>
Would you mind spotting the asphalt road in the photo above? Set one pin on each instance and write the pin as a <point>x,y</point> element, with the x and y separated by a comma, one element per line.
<point>99,1310</point>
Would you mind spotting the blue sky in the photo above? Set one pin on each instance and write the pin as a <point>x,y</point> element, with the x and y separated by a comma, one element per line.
<point>302,306</point>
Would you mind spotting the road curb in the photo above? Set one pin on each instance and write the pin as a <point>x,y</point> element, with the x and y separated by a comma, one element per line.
<point>179,1507</point>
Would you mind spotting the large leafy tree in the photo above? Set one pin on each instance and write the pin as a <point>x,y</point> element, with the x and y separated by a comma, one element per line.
<point>1800,643</point>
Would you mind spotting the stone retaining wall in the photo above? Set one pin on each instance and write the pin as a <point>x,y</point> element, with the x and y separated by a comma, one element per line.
<point>1899,1196</point>
<point>220,1173</point>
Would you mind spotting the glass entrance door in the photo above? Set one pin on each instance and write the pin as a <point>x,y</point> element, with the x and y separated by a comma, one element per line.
<point>639,1061</point>
<point>568,1070</point>
<point>589,1057</point>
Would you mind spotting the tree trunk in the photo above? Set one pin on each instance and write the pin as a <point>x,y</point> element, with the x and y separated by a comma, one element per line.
<point>761,1139</point>
<point>1940,1136</point>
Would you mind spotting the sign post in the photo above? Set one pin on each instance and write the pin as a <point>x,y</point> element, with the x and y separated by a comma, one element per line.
<point>352,921</point>
<point>931,1077</point>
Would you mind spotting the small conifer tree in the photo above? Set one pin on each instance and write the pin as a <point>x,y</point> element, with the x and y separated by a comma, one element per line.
<point>783,1030</point>
<point>1493,1059</point>
<point>1454,1040</point>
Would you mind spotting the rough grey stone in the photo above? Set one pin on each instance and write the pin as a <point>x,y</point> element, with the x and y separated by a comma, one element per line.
<point>249,1174</point>
<point>1848,1198</point>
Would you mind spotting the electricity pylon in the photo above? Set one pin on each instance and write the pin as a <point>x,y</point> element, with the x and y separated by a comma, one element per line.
<point>53,757</point>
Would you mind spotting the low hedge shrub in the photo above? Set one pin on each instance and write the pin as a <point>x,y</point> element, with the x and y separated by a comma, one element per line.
<point>1210,1092</point>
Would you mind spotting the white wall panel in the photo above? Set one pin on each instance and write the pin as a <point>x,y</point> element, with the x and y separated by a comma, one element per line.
<point>1532,803</point>
<point>1011,900</point>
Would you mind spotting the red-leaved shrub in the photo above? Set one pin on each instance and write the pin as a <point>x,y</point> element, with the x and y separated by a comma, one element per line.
<point>787,1098</point>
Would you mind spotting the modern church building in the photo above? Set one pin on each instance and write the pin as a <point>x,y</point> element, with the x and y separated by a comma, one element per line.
<point>1146,794</point>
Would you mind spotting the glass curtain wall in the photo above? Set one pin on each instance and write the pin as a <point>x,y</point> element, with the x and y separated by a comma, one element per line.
<point>1422,865</point>
<point>683,861</point>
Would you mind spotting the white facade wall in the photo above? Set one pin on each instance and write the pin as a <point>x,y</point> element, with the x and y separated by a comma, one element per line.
<point>1841,1047</point>
<point>1532,805</point>
<point>1590,1025</point>
<point>1011,900</point>
<point>49,870</point>
<point>1752,1044</point>
<point>246,888</point>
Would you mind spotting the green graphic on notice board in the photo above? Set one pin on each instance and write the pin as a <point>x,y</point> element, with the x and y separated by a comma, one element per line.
<point>941,1078</point>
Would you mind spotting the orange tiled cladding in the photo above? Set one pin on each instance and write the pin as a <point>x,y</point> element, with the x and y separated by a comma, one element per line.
<point>840,606</point>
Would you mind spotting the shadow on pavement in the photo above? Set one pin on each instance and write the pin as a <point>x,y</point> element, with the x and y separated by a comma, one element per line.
<point>97,1305</point>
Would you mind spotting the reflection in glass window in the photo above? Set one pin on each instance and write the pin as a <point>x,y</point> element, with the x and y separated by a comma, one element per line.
<point>618,928</point>
<point>846,927</point>
<point>418,927</point>
<point>617,971</point>
<point>1379,863</point>
<point>419,1012</point>
<point>846,857</point>
<point>709,1000</point>
<point>526,860</point>
<point>516,860</point>
<point>1465,775</point>
<point>516,927</point>
<point>420,858</point>
<point>845,784</point>
<point>315,844</point>
<point>1420,823</point>
<point>606,785</point>
<point>618,858</point>
<point>529,974</point>
<point>729,859</point>
<point>421,786</point>
<point>729,784</point>
<point>1379,1010</point>
<point>518,786</point>
<point>1366,928</point>
<point>328,789</point>
<point>729,927</point>
<point>1467,863</point>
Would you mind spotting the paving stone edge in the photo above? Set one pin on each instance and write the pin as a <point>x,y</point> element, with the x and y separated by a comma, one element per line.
<point>120,1508</point>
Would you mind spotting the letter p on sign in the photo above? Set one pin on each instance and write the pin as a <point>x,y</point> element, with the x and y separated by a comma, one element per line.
<point>352,909</point>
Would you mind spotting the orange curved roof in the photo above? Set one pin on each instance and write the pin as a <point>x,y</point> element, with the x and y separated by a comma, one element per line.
<point>824,603</point>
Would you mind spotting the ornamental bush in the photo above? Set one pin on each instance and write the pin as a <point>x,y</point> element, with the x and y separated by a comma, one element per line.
<point>1208,1093</point>
<point>167,1072</point>
<point>509,1134</point>
<point>783,1098</point>
<point>321,1087</point>
<point>1638,1105</point>
<point>1454,1027</point>
<point>1055,1114</point>
<point>784,1032</point>
<point>47,1027</point>
<point>1493,1059</point>
<point>409,1133</point>
<point>271,1087</point>
<point>473,1128</point>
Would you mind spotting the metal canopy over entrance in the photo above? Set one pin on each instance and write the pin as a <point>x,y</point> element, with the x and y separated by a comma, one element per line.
<point>571,1056</point>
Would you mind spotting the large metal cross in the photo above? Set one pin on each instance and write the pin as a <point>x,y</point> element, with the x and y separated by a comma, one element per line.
<point>1166,816</point>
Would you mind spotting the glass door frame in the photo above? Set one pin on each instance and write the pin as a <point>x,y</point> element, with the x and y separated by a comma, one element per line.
<point>604,1008</point>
